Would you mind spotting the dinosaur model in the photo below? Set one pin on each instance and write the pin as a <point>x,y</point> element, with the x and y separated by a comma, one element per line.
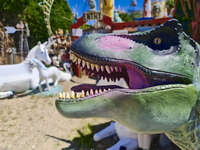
<point>161,68</point>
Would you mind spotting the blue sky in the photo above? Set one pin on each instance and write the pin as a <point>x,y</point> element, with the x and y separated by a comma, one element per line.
<point>81,6</point>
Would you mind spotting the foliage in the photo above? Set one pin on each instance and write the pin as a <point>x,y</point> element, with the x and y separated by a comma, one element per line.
<point>170,4</point>
<point>127,17</point>
<point>12,11</point>
<point>86,27</point>
<point>186,21</point>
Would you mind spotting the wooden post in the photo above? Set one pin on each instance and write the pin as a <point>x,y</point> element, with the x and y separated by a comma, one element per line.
<point>20,26</point>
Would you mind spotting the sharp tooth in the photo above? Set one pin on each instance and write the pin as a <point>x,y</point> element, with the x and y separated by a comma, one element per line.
<point>109,89</point>
<point>78,95</point>
<point>87,93</point>
<point>100,91</point>
<point>120,69</point>
<point>63,95</point>
<point>97,67</point>
<point>102,68</point>
<point>111,69</point>
<point>91,92</point>
<point>71,56</point>
<point>107,69</point>
<point>72,95</point>
<point>82,94</point>
<point>88,65</point>
<point>104,90</point>
<point>74,59</point>
<point>83,63</point>
<point>116,68</point>
<point>60,95</point>
<point>96,92</point>
<point>92,66</point>
<point>79,61</point>
<point>67,95</point>
<point>101,77</point>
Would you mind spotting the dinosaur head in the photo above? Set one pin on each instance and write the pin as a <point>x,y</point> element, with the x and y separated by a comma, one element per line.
<point>158,66</point>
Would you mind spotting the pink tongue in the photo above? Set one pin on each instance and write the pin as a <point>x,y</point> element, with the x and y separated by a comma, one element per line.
<point>136,79</point>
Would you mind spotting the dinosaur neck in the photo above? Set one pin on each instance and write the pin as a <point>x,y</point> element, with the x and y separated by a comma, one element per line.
<point>187,137</point>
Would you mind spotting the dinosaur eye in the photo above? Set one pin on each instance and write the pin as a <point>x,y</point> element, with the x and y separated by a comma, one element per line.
<point>157,41</point>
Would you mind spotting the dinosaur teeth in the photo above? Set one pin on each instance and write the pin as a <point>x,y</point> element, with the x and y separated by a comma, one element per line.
<point>87,93</point>
<point>60,96</point>
<point>82,94</point>
<point>102,68</point>
<point>88,65</point>
<point>63,95</point>
<point>97,68</point>
<point>91,92</point>
<point>83,63</point>
<point>78,95</point>
<point>107,69</point>
<point>100,91</point>
<point>79,61</point>
<point>67,96</point>
<point>72,95</point>
<point>96,92</point>
<point>92,66</point>
<point>120,69</point>
<point>111,69</point>
<point>116,68</point>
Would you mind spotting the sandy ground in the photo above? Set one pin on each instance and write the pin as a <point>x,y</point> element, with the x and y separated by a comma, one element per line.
<point>33,123</point>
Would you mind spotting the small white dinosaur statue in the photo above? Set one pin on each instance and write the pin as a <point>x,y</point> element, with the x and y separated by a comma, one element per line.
<point>18,78</point>
<point>50,73</point>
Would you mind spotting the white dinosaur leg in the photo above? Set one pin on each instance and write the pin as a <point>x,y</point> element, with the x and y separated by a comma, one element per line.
<point>144,141</point>
<point>40,87</point>
<point>56,82</point>
<point>128,143</point>
<point>6,94</point>
<point>47,84</point>
<point>108,131</point>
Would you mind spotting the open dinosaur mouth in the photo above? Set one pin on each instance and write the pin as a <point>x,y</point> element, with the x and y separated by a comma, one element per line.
<point>136,76</point>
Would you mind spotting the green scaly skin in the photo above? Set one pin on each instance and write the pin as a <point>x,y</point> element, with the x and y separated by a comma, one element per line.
<point>164,108</point>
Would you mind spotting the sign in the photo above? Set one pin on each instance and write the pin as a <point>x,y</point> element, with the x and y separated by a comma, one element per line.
<point>77,32</point>
<point>10,30</point>
<point>92,15</point>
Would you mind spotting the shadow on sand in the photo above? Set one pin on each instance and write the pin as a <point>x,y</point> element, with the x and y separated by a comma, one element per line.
<point>85,141</point>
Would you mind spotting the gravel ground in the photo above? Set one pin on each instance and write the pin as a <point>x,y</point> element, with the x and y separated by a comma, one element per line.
<point>33,123</point>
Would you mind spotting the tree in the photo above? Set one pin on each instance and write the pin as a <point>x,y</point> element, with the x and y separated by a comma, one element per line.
<point>188,13</point>
<point>12,11</point>
<point>131,16</point>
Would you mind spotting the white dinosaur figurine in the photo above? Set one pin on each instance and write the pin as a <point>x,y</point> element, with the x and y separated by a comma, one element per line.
<point>21,77</point>
<point>128,139</point>
<point>50,73</point>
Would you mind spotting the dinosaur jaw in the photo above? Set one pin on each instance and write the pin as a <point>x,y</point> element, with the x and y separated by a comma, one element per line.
<point>138,77</point>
